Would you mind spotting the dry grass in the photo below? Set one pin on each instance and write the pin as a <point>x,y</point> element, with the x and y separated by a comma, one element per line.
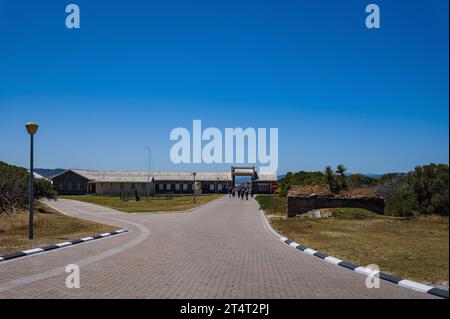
<point>415,248</point>
<point>16,221</point>
<point>358,192</point>
<point>322,190</point>
<point>308,190</point>
<point>176,204</point>
<point>50,227</point>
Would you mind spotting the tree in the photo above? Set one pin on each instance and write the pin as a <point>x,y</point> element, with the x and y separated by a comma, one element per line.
<point>330,179</point>
<point>14,188</point>
<point>340,171</point>
<point>430,185</point>
<point>359,181</point>
<point>422,191</point>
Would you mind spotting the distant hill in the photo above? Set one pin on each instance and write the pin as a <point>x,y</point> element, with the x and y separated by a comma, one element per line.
<point>374,176</point>
<point>47,172</point>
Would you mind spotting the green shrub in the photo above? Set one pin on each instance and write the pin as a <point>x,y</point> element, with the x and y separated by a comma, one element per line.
<point>14,188</point>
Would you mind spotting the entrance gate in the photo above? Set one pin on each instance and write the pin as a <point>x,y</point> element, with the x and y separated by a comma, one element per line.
<point>243,171</point>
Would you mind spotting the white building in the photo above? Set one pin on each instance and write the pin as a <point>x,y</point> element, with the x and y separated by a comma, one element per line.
<point>76,181</point>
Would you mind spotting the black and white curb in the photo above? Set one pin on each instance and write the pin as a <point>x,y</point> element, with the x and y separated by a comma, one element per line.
<point>35,251</point>
<point>359,269</point>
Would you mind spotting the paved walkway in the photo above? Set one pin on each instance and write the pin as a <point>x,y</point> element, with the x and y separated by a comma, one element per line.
<point>221,250</point>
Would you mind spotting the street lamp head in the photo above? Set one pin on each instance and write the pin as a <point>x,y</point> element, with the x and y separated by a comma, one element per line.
<point>194,173</point>
<point>31,128</point>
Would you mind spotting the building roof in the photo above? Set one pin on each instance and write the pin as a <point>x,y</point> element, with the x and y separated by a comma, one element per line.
<point>265,176</point>
<point>144,176</point>
<point>244,171</point>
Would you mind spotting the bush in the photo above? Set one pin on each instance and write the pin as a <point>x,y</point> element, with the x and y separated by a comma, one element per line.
<point>14,188</point>
<point>422,191</point>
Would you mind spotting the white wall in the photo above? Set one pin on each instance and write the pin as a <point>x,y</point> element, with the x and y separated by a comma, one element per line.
<point>116,189</point>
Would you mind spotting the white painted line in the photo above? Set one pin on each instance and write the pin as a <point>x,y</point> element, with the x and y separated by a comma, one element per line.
<point>86,238</point>
<point>333,260</point>
<point>105,234</point>
<point>283,239</point>
<point>67,243</point>
<point>293,244</point>
<point>310,251</point>
<point>33,251</point>
<point>366,271</point>
<point>1,258</point>
<point>120,231</point>
<point>414,285</point>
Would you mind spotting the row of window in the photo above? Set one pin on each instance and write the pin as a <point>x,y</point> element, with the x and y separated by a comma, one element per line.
<point>176,187</point>
<point>70,186</point>
<point>169,187</point>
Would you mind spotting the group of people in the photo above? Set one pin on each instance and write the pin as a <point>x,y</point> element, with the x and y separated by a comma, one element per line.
<point>241,192</point>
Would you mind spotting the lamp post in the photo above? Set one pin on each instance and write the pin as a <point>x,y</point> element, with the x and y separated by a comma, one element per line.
<point>149,168</point>
<point>194,173</point>
<point>31,129</point>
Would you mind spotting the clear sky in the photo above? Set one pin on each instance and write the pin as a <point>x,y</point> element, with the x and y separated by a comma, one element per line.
<point>375,100</point>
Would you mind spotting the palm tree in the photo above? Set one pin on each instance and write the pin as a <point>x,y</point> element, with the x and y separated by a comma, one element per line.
<point>340,170</point>
<point>330,178</point>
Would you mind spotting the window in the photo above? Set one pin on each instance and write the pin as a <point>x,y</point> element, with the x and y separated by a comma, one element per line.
<point>211,187</point>
<point>161,187</point>
<point>185,187</point>
<point>69,186</point>
<point>132,186</point>
<point>122,186</point>
<point>78,186</point>
<point>143,186</point>
<point>101,184</point>
<point>177,187</point>
<point>111,184</point>
<point>169,187</point>
<point>60,186</point>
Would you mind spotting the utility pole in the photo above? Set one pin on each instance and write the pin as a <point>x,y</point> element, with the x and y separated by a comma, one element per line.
<point>149,169</point>
<point>194,173</point>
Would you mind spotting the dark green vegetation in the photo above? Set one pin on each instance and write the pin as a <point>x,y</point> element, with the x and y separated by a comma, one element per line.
<point>422,191</point>
<point>14,188</point>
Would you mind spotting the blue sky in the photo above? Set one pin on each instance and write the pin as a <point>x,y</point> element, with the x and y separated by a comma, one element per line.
<point>375,100</point>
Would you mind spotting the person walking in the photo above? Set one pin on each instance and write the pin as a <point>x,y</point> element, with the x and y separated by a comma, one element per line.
<point>246,193</point>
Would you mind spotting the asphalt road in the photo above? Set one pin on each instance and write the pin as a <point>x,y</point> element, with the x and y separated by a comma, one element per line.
<point>221,250</point>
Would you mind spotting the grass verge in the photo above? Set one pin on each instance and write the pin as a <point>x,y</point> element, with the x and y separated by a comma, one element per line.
<point>158,204</point>
<point>414,248</point>
<point>50,227</point>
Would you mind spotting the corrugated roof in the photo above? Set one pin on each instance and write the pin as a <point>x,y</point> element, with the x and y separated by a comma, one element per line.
<point>248,171</point>
<point>143,176</point>
<point>267,176</point>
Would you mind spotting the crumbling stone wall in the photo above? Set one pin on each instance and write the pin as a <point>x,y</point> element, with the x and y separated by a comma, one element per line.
<point>302,204</point>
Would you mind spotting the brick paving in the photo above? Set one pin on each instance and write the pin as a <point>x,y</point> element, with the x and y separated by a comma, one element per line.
<point>221,250</point>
